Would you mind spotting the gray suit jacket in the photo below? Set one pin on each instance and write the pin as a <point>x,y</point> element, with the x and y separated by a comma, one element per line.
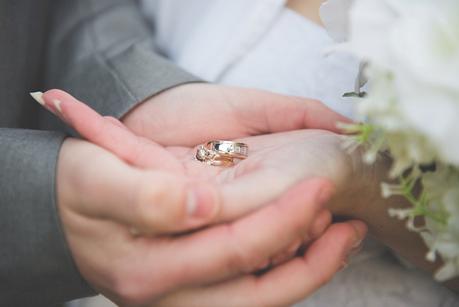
<point>98,50</point>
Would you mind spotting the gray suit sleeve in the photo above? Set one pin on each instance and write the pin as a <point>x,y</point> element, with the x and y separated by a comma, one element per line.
<point>102,52</point>
<point>36,267</point>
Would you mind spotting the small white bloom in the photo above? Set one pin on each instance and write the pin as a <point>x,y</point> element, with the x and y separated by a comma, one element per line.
<point>442,237</point>
<point>413,52</point>
<point>411,48</point>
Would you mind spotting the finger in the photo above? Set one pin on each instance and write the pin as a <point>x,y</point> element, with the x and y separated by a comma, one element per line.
<point>271,111</point>
<point>318,227</point>
<point>227,250</point>
<point>151,201</point>
<point>284,285</point>
<point>254,182</point>
<point>108,132</point>
<point>259,180</point>
<point>251,191</point>
<point>220,112</point>
<point>115,122</point>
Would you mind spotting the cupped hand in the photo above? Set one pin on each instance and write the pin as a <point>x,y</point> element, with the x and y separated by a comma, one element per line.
<point>193,114</point>
<point>100,195</point>
<point>254,181</point>
<point>275,163</point>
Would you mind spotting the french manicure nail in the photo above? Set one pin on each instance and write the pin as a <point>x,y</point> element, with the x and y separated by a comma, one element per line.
<point>38,96</point>
<point>57,105</point>
<point>54,107</point>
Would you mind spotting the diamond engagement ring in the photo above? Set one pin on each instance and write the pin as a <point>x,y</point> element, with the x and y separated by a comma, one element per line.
<point>221,153</point>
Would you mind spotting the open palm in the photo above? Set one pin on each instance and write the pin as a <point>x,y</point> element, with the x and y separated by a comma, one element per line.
<point>275,163</point>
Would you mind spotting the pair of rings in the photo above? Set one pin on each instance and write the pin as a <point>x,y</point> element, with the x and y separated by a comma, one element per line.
<point>221,153</point>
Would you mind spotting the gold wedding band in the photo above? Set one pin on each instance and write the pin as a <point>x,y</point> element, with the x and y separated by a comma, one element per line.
<point>229,149</point>
<point>221,153</point>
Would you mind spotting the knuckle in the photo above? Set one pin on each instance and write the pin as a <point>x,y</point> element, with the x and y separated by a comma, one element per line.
<point>129,290</point>
<point>157,205</point>
<point>132,285</point>
<point>315,103</point>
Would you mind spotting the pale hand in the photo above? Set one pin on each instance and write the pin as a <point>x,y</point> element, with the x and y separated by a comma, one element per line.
<point>136,284</point>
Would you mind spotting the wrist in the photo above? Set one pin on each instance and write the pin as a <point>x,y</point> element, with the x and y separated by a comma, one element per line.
<point>359,190</point>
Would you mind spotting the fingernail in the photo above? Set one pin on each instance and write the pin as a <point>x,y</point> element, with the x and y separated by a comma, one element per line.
<point>54,107</point>
<point>38,96</point>
<point>360,232</point>
<point>355,248</point>
<point>200,202</point>
<point>57,105</point>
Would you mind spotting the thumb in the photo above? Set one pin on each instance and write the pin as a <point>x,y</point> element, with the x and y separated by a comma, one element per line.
<point>165,203</point>
<point>95,183</point>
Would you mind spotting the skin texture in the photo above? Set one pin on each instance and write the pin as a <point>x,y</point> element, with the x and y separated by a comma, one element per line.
<point>289,156</point>
<point>130,183</point>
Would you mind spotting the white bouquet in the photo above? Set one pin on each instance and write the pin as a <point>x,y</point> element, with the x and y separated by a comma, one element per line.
<point>410,55</point>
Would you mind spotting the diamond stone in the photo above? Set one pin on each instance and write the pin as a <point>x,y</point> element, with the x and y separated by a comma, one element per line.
<point>202,154</point>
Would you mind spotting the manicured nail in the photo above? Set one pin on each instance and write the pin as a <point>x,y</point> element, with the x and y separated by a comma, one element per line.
<point>57,105</point>
<point>200,202</point>
<point>38,96</point>
<point>54,107</point>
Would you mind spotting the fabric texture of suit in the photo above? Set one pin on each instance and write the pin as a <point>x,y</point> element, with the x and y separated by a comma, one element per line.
<point>100,51</point>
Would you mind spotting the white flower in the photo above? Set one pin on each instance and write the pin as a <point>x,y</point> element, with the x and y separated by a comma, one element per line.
<point>413,52</point>
<point>443,238</point>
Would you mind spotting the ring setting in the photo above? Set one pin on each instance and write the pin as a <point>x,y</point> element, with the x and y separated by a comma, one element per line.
<point>221,153</point>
